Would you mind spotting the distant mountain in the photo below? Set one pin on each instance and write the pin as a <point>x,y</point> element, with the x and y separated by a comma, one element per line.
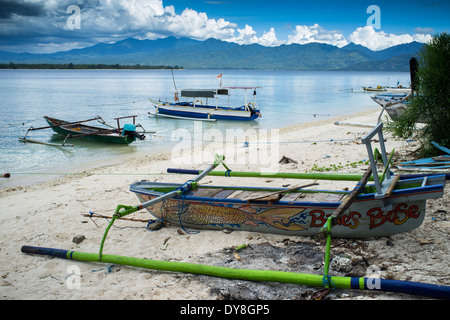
<point>213,53</point>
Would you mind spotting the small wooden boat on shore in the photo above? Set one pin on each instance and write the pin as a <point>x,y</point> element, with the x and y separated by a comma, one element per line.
<point>384,98</point>
<point>197,106</point>
<point>395,104</point>
<point>78,129</point>
<point>301,212</point>
<point>392,205</point>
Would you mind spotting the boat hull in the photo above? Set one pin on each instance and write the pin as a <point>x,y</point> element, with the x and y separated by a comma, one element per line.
<point>367,217</point>
<point>206,112</point>
<point>91,133</point>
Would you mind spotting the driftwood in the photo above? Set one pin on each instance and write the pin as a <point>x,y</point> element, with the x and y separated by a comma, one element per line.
<point>287,160</point>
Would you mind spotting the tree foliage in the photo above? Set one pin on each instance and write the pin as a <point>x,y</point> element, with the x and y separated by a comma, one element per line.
<point>431,104</point>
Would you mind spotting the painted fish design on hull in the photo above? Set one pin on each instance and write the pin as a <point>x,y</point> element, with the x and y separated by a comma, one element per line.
<point>204,214</point>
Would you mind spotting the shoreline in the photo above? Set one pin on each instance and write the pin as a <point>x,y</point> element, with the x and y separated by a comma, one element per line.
<point>52,213</point>
<point>89,168</point>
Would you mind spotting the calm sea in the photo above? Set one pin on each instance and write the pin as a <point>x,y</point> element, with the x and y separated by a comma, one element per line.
<point>286,98</point>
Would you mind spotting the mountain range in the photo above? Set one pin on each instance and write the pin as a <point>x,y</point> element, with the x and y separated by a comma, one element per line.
<point>217,54</point>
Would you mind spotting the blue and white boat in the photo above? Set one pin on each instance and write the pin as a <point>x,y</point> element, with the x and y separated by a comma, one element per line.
<point>203,104</point>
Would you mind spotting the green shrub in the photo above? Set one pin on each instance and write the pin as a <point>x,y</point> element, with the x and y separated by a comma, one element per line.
<point>432,102</point>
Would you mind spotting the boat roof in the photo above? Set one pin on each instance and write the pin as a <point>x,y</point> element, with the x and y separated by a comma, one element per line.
<point>210,93</point>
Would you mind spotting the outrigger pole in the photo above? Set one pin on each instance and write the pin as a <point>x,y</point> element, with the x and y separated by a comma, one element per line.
<point>122,210</point>
<point>407,287</point>
<point>327,281</point>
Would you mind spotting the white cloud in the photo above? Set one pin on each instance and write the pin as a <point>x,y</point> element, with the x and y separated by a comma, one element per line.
<point>421,30</point>
<point>315,33</point>
<point>249,36</point>
<point>246,36</point>
<point>269,39</point>
<point>368,37</point>
<point>113,20</point>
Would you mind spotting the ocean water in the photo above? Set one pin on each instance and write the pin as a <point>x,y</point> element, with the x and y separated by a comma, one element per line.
<point>285,98</point>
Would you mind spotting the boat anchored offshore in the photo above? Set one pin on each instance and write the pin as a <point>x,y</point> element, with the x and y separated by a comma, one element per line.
<point>78,129</point>
<point>198,106</point>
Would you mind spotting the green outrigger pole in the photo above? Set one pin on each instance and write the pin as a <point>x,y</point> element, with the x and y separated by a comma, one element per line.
<point>327,281</point>
<point>281,175</point>
<point>122,211</point>
<point>414,288</point>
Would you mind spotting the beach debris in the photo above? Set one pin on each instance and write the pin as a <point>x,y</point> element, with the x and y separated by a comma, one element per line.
<point>319,294</point>
<point>78,239</point>
<point>285,160</point>
<point>423,241</point>
<point>180,232</point>
<point>5,175</point>
<point>240,247</point>
<point>110,268</point>
<point>439,215</point>
<point>237,256</point>
<point>155,224</point>
<point>166,243</point>
<point>342,262</point>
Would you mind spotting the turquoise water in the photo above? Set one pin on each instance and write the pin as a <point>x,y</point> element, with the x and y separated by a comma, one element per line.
<point>286,98</point>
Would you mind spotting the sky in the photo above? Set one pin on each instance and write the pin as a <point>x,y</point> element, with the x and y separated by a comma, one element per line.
<point>45,26</point>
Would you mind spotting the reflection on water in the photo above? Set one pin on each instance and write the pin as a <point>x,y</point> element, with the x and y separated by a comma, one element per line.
<point>286,98</point>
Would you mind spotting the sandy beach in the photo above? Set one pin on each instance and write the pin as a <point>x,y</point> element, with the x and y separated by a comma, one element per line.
<point>51,214</point>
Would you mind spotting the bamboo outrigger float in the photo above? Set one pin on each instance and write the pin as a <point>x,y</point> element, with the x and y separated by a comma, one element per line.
<point>385,191</point>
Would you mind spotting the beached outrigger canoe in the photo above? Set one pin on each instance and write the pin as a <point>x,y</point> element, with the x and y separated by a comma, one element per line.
<point>198,105</point>
<point>78,129</point>
<point>394,204</point>
<point>389,214</point>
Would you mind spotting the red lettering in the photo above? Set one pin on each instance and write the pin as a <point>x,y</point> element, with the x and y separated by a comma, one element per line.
<point>378,217</point>
<point>400,209</point>
<point>414,212</point>
<point>374,214</point>
<point>320,218</point>
<point>355,218</point>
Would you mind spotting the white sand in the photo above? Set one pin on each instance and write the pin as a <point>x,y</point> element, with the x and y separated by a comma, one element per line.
<point>50,215</point>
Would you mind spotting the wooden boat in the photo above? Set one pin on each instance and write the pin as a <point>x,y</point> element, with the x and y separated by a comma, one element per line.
<point>397,89</point>
<point>78,129</point>
<point>438,163</point>
<point>301,212</point>
<point>394,103</point>
<point>374,89</point>
<point>384,98</point>
<point>392,205</point>
<point>197,105</point>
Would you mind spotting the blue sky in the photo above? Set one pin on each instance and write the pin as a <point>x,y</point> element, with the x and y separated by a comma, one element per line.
<point>42,26</point>
<point>397,16</point>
